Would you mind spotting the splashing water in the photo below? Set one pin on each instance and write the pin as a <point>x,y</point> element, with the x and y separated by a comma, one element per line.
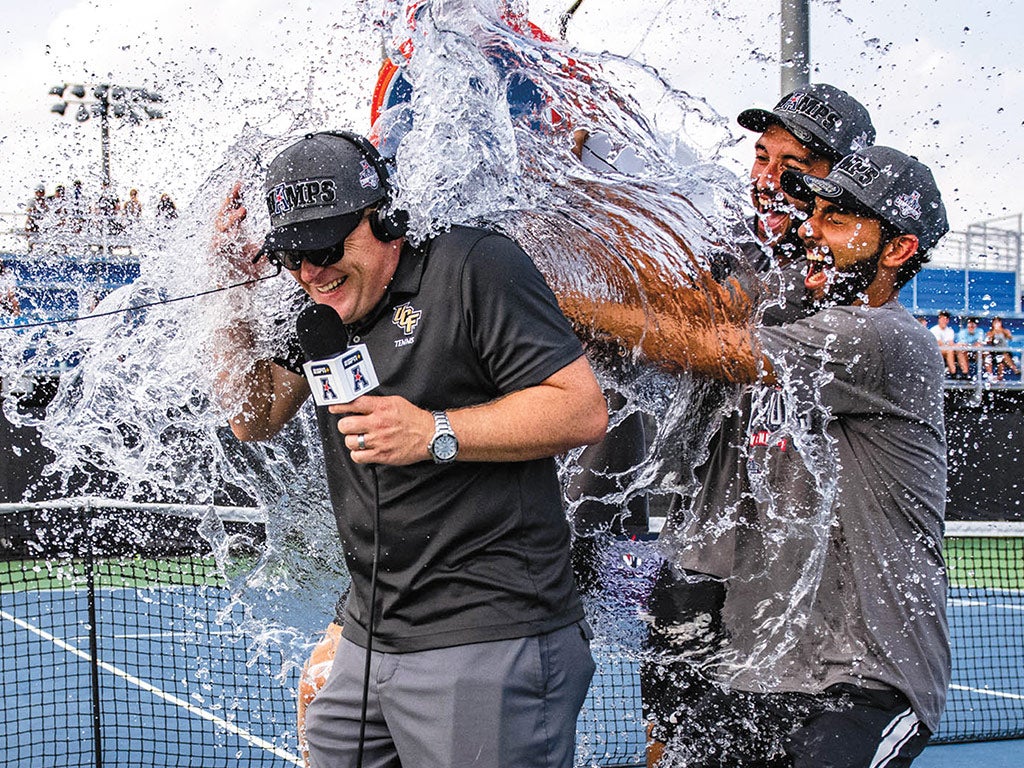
<point>135,419</point>
<point>610,236</point>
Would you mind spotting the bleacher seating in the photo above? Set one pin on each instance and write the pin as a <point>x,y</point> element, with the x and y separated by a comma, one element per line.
<point>57,286</point>
<point>973,292</point>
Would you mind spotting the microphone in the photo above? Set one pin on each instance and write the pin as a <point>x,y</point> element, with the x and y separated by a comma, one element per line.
<point>322,334</point>
<point>336,371</point>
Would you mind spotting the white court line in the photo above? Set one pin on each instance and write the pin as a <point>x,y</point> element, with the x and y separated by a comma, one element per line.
<point>230,727</point>
<point>983,692</point>
<point>957,602</point>
<point>968,603</point>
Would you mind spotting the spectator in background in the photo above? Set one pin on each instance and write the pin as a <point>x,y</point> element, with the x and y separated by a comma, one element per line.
<point>945,336</point>
<point>57,220</point>
<point>132,208</point>
<point>58,204</point>
<point>35,211</point>
<point>76,207</point>
<point>999,336</point>
<point>8,298</point>
<point>165,209</point>
<point>107,210</point>
<point>969,336</point>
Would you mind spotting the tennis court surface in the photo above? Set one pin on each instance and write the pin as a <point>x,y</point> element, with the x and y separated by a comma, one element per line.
<point>124,645</point>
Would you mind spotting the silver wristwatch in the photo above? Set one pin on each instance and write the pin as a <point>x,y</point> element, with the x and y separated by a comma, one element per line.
<point>444,445</point>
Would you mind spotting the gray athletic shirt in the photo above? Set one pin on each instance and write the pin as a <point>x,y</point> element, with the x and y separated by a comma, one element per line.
<point>700,534</point>
<point>863,389</point>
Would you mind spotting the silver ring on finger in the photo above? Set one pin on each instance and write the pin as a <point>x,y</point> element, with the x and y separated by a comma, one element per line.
<point>361,442</point>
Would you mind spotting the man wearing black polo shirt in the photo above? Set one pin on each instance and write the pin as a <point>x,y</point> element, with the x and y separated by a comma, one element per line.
<point>480,653</point>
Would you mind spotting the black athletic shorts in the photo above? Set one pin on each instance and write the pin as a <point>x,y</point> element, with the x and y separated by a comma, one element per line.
<point>684,634</point>
<point>704,725</point>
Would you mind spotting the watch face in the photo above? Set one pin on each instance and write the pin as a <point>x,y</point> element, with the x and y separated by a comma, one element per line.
<point>445,447</point>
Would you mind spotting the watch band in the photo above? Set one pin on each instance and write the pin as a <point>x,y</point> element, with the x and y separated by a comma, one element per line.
<point>444,446</point>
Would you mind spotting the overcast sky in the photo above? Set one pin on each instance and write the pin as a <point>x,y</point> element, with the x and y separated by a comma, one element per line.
<point>942,78</point>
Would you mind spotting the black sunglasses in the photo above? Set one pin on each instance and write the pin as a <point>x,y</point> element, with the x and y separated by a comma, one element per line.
<point>292,260</point>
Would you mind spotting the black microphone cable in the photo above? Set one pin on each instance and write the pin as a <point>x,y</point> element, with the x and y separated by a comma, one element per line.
<point>370,622</point>
<point>322,336</point>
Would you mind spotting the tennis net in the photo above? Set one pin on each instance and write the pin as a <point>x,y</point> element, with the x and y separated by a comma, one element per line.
<point>124,643</point>
<point>985,561</point>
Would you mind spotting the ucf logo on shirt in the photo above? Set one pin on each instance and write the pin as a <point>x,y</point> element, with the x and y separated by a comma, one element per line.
<point>406,317</point>
<point>767,418</point>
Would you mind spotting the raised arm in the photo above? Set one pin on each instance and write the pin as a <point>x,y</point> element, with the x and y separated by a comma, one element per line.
<point>678,324</point>
<point>648,292</point>
<point>261,395</point>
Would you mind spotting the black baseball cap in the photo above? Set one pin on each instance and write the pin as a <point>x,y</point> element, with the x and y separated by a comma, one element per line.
<point>316,190</point>
<point>822,118</point>
<point>884,183</point>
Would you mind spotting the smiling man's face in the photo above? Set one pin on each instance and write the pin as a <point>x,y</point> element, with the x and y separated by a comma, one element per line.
<point>778,150</point>
<point>353,285</point>
<point>842,247</point>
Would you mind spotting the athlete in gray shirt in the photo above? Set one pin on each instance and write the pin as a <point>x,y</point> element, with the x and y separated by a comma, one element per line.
<point>853,393</point>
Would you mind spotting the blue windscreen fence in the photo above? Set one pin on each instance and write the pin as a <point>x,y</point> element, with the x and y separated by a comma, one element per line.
<point>59,286</point>
<point>981,292</point>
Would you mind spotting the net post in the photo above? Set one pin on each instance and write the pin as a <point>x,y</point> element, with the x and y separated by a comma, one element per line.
<point>94,671</point>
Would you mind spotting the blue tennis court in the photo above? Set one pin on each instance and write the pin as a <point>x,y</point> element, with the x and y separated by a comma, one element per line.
<point>987,690</point>
<point>180,676</point>
<point>185,675</point>
<point>178,688</point>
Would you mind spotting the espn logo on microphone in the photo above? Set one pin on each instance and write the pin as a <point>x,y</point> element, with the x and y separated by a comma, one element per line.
<point>343,378</point>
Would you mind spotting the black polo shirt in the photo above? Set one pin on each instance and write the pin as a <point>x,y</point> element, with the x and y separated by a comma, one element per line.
<point>470,551</point>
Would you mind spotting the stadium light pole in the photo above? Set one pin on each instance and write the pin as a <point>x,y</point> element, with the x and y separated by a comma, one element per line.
<point>796,45</point>
<point>106,101</point>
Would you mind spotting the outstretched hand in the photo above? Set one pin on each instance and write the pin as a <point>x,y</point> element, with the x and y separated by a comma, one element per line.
<point>229,239</point>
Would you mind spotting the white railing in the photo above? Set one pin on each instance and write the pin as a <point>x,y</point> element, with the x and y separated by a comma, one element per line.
<point>994,244</point>
<point>986,361</point>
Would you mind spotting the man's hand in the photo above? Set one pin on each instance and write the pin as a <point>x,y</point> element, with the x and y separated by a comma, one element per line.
<point>385,430</point>
<point>229,240</point>
<point>565,410</point>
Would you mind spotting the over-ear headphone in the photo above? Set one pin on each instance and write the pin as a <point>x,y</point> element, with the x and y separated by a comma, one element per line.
<point>385,223</point>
